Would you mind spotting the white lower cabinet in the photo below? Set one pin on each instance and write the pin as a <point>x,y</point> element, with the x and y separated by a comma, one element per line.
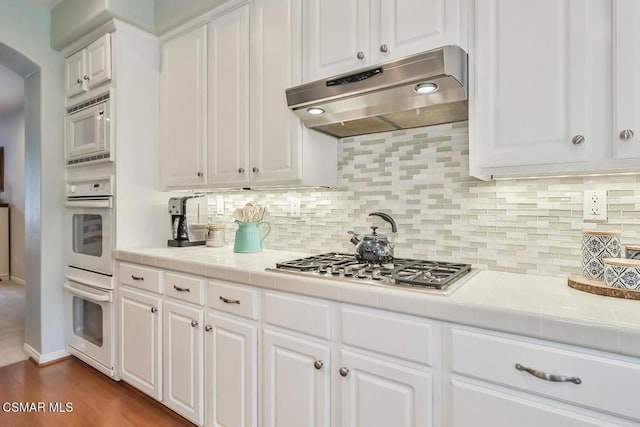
<point>504,380</point>
<point>379,393</point>
<point>296,389</point>
<point>231,371</point>
<point>140,331</point>
<point>183,360</point>
<point>486,405</point>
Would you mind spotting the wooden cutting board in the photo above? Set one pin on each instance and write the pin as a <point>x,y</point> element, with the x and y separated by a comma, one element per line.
<point>600,288</point>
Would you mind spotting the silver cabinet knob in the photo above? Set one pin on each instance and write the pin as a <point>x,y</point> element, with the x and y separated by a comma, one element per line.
<point>360,55</point>
<point>255,170</point>
<point>344,371</point>
<point>318,364</point>
<point>200,174</point>
<point>154,309</point>
<point>194,323</point>
<point>79,81</point>
<point>240,170</point>
<point>626,134</point>
<point>86,78</point>
<point>208,328</point>
<point>577,140</point>
<point>384,48</point>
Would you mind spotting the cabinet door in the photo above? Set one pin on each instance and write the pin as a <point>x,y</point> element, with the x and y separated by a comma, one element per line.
<point>530,78</point>
<point>296,382</point>
<point>183,360</point>
<point>140,341</point>
<point>183,110</point>
<point>626,79</point>
<point>74,74</point>
<point>405,27</point>
<point>336,37</point>
<point>231,372</point>
<point>99,61</point>
<point>276,132</point>
<point>376,393</point>
<point>228,130</point>
<point>474,405</point>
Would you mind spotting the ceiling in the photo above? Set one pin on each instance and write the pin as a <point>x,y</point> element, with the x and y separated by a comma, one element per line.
<point>12,84</point>
<point>46,3</point>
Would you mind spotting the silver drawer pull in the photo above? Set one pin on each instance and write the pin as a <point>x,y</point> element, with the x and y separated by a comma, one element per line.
<point>194,323</point>
<point>549,377</point>
<point>344,371</point>
<point>229,301</point>
<point>137,277</point>
<point>179,289</point>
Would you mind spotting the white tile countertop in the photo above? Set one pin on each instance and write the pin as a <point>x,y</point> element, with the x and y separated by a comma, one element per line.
<point>535,306</point>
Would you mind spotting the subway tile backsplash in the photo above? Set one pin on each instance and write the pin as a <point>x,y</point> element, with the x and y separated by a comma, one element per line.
<point>420,177</point>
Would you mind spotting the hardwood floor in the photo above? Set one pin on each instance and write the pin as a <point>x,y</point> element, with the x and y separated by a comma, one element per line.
<point>87,397</point>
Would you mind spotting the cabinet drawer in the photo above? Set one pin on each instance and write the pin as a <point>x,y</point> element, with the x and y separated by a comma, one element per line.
<point>140,277</point>
<point>405,338</point>
<point>234,299</point>
<point>605,383</point>
<point>185,288</point>
<point>301,314</point>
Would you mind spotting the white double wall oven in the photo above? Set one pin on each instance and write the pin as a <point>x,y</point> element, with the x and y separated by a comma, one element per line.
<point>89,283</point>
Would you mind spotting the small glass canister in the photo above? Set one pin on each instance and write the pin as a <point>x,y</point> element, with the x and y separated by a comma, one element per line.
<point>215,238</point>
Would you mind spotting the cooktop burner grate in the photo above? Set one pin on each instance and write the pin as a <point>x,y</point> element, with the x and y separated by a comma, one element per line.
<point>403,271</point>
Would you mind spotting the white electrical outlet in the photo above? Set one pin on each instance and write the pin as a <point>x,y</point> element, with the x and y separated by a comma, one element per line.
<point>220,206</point>
<point>594,206</point>
<point>295,208</point>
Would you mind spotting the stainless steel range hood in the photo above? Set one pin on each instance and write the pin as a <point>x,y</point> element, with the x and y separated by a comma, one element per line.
<point>386,97</point>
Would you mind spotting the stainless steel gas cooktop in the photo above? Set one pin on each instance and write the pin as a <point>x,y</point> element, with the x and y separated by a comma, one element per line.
<point>434,276</point>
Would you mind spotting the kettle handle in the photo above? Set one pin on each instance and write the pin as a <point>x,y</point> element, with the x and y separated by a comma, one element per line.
<point>386,217</point>
<point>268,229</point>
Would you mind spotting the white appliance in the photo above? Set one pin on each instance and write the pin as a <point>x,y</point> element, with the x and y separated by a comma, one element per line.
<point>89,225</point>
<point>87,131</point>
<point>89,237</point>
<point>89,325</point>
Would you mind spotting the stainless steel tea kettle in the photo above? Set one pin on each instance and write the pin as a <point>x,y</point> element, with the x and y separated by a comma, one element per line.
<point>375,248</point>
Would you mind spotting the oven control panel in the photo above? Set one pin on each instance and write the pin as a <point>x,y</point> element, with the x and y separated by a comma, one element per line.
<point>90,187</point>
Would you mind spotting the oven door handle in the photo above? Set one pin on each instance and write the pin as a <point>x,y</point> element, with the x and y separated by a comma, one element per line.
<point>95,203</point>
<point>91,296</point>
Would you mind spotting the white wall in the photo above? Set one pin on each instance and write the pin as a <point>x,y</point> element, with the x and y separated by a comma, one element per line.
<point>12,139</point>
<point>25,48</point>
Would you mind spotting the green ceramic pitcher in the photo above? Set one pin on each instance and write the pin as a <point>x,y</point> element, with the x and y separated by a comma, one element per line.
<point>248,236</point>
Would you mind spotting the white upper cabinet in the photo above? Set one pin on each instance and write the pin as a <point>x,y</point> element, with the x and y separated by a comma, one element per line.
<point>251,138</point>
<point>276,133</point>
<point>228,148</point>
<point>336,37</point>
<point>557,93</point>
<point>344,35</point>
<point>183,110</point>
<point>626,78</point>
<point>530,75</point>
<point>89,67</point>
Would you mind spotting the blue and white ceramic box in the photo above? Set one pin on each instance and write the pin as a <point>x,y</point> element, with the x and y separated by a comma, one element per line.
<point>596,246</point>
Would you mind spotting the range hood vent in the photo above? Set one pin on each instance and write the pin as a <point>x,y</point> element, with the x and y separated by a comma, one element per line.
<point>388,96</point>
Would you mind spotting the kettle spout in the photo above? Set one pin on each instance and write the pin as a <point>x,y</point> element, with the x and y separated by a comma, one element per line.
<point>355,239</point>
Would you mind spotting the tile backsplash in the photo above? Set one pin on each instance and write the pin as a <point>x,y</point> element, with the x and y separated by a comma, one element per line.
<point>420,177</point>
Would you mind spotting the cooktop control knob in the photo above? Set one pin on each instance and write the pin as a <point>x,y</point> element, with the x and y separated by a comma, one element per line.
<point>376,275</point>
<point>72,189</point>
<point>362,274</point>
<point>335,270</point>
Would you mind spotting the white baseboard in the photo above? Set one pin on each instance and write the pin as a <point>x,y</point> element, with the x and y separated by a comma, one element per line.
<point>17,280</point>
<point>44,358</point>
